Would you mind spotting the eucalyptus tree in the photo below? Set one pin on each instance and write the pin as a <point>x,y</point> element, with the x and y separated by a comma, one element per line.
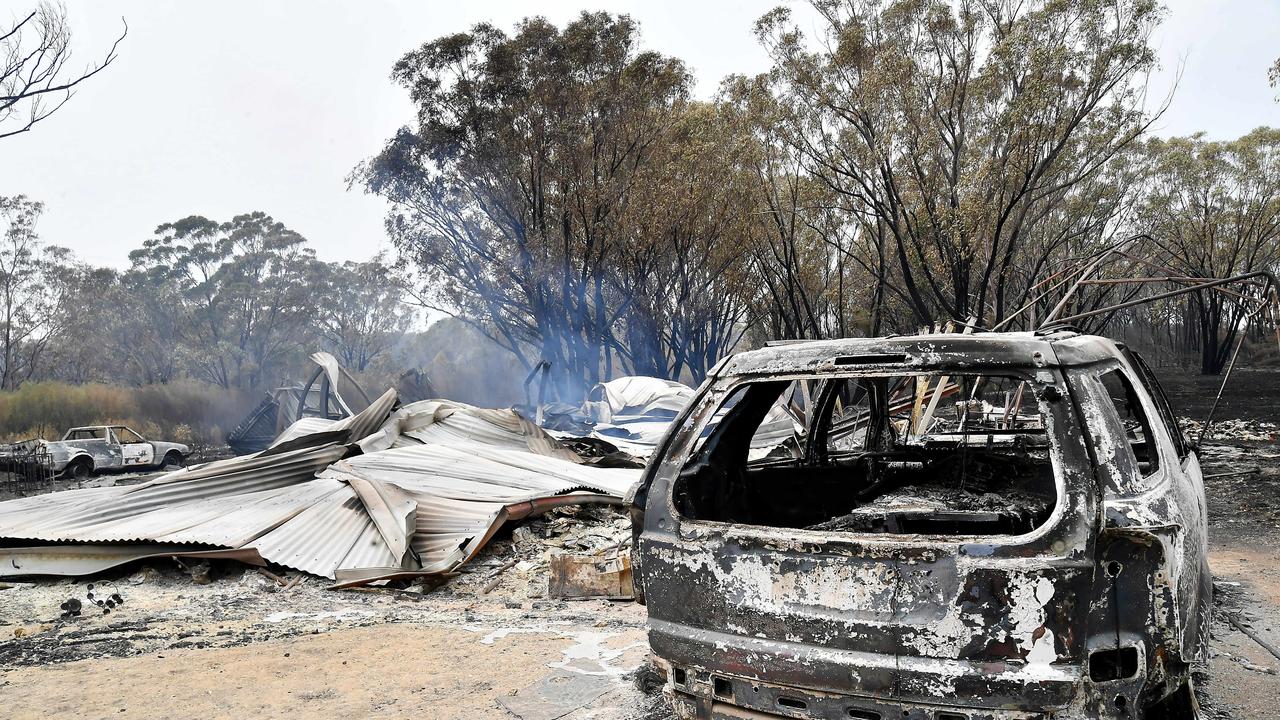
<point>33,279</point>
<point>360,310</point>
<point>959,132</point>
<point>246,287</point>
<point>511,191</point>
<point>1213,207</point>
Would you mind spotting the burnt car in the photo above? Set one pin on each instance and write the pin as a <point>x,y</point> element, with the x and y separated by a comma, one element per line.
<point>993,525</point>
<point>83,451</point>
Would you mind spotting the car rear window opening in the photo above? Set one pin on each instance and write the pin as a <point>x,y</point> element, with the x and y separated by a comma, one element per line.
<point>918,454</point>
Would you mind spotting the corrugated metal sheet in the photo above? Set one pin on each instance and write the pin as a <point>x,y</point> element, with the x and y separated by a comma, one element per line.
<point>485,472</point>
<point>464,492</point>
<point>89,559</point>
<point>321,537</point>
<point>413,507</point>
<point>443,422</point>
<point>171,505</point>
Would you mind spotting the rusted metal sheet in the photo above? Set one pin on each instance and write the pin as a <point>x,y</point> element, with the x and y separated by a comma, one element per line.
<point>599,575</point>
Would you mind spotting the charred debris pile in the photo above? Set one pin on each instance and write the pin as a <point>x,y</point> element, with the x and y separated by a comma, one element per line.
<point>362,491</point>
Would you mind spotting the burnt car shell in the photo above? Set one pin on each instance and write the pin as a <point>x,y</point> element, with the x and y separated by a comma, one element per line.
<point>1096,613</point>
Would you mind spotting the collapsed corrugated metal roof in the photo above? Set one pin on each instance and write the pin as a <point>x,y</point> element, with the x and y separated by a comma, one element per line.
<point>379,494</point>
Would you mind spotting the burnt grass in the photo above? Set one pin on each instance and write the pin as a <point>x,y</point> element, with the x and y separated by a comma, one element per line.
<point>1242,508</point>
<point>1250,394</point>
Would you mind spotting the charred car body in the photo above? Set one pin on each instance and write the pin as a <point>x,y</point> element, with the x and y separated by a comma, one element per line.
<point>83,451</point>
<point>998,525</point>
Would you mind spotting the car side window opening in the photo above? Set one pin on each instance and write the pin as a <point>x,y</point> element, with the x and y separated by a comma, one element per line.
<point>127,436</point>
<point>1137,427</point>
<point>887,454</point>
<point>88,434</point>
<point>1180,444</point>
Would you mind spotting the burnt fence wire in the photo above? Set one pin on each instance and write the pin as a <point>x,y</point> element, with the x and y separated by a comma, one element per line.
<point>26,468</point>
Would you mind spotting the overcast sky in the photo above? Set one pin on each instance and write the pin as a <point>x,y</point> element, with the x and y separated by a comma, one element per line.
<point>219,108</point>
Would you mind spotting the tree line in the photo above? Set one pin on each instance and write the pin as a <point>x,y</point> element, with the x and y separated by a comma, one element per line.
<point>913,163</point>
<point>236,304</point>
<point>561,191</point>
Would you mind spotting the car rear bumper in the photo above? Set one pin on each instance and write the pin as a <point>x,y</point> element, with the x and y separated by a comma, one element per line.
<point>687,707</point>
<point>717,675</point>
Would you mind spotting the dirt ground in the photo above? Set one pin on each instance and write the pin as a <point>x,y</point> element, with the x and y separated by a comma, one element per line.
<point>244,646</point>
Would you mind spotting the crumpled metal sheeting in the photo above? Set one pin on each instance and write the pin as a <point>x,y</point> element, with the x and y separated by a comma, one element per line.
<point>356,427</point>
<point>640,435</point>
<point>420,509</point>
<point>89,559</point>
<point>636,436</point>
<point>229,520</point>
<point>444,422</point>
<point>23,516</point>
<point>335,532</point>
<point>168,506</point>
<point>450,532</point>
<point>254,514</point>
<point>346,390</point>
<point>464,493</point>
<point>635,396</point>
<point>303,426</point>
<point>391,509</point>
<point>483,472</point>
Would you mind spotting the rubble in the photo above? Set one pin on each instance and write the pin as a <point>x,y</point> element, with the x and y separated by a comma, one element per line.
<point>1233,430</point>
<point>330,393</point>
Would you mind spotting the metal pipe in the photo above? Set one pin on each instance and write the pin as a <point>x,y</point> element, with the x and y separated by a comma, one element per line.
<point>1254,636</point>
<point>1271,281</point>
<point>1204,429</point>
<point>1250,471</point>
<point>1171,279</point>
<point>1118,248</point>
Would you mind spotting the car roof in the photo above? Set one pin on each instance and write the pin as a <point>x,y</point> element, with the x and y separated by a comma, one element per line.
<point>956,351</point>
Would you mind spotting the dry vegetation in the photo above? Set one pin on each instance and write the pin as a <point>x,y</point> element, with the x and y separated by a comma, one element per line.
<point>184,411</point>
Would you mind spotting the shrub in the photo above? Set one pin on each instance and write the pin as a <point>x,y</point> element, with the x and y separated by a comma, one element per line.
<point>186,411</point>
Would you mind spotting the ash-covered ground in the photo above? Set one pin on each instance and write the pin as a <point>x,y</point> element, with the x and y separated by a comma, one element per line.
<point>216,633</point>
<point>489,639</point>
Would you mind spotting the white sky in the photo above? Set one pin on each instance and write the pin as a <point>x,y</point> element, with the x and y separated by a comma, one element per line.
<point>219,108</point>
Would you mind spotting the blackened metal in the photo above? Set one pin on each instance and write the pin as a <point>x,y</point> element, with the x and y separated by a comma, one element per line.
<point>762,621</point>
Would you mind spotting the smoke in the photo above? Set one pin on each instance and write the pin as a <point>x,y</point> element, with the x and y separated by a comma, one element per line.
<point>461,364</point>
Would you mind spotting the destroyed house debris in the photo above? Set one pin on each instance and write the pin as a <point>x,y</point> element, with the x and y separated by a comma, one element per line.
<point>995,525</point>
<point>382,493</point>
<point>330,393</point>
